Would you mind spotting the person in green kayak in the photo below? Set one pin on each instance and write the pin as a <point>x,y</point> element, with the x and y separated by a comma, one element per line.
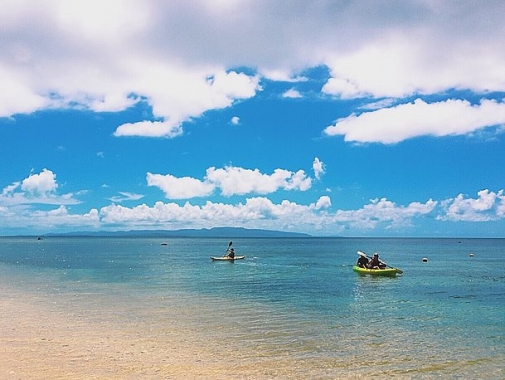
<point>231,255</point>
<point>362,262</point>
<point>375,263</point>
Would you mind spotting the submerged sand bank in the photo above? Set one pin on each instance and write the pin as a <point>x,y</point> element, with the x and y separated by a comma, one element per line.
<point>81,336</point>
<point>41,340</point>
<point>84,331</point>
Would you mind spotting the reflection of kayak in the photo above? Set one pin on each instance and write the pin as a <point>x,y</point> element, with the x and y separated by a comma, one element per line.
<point>226,258</point>
<point>389,272</point>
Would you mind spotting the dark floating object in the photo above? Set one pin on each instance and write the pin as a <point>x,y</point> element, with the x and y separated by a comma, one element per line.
<point>425,260</point>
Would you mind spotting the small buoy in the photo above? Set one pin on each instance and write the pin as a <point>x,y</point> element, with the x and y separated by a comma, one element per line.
<point>471,254</point>
<point>425,260</point>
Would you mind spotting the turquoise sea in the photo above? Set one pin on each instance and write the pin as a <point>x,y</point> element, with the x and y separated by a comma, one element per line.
<point>293,309</point>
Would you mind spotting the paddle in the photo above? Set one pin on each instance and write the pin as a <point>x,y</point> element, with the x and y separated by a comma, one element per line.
<point>227,249</point>
<point>399,271</point>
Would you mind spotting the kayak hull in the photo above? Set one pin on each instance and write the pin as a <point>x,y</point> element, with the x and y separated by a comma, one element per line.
<point>226,258</point>
<point>387,272</point>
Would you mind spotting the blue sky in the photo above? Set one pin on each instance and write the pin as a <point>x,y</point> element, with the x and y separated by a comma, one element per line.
<point>333,118</point>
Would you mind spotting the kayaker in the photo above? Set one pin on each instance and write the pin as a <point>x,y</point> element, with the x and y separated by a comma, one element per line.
<point>362,262</point>
<point>231,255</point>
<point>375,263</point>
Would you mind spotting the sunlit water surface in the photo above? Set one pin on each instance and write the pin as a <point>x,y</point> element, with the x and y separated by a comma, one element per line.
<point>292,309</point>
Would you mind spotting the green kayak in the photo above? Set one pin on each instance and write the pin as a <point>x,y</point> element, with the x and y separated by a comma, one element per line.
<point>388,272</point>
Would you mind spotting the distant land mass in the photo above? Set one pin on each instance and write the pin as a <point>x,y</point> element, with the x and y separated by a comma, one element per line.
<point>218,232</point>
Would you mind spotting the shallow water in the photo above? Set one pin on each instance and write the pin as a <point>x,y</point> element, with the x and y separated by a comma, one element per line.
<point>292,309</point>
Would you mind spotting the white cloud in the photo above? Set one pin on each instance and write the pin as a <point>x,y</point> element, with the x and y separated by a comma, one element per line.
<point>319,168</point>
<point>178,95</point>
<point>149,129</point>
<point>234,180</point>
<point>384,212</point>
<point>38,221</point>
<point>60,217</point>
<point>401,56</point>
<point>488,206</point>
<point>230,181</point>
<point>36,188</point>
<point>235,120</point>
<point>323,202</point>
<point>343,88</point>
<point>126,47</point>
<point>16,96</point>
<point>114,62</point>
<point>282,75</point>
<point>292,93</point>
<point>259,212</point>
<point>126,196</point>
<point>392,125</point>
<point>255,212</point>
<point>40,184</point>
<point>180,188</point>
<point>9,190</point>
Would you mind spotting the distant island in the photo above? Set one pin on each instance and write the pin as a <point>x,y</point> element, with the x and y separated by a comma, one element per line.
<point>218,232</point>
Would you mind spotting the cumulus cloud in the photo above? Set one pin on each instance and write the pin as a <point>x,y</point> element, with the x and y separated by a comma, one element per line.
<point>488,206</point>
<point>234,180</point>
<point>230,181</point>
<point>37,188</point>
<point>403,56</point>
<point>43,183</point>
<point>292,93</point>
<point>149,129</point>
<point>9,190</point>
<point>394,124</point>
<point>80,55</point>
<point>384,211</point>
<point>260,212</point>
<point>254,212</point>
<point>127,65</point>
<point>323,202</point>
<point>44,221</point>
<point>319,168</point>
<point>235,120</point>
<point>180,188</point>
<point>369,51</point>
<point>61,216</point>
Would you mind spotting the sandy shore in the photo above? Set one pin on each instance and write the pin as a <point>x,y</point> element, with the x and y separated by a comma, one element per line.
<point>65,336</point>
<point>48,334</point>
<point>39,340</point>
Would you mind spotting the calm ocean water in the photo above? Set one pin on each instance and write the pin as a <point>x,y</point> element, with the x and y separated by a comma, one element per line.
<point>295,301</point>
